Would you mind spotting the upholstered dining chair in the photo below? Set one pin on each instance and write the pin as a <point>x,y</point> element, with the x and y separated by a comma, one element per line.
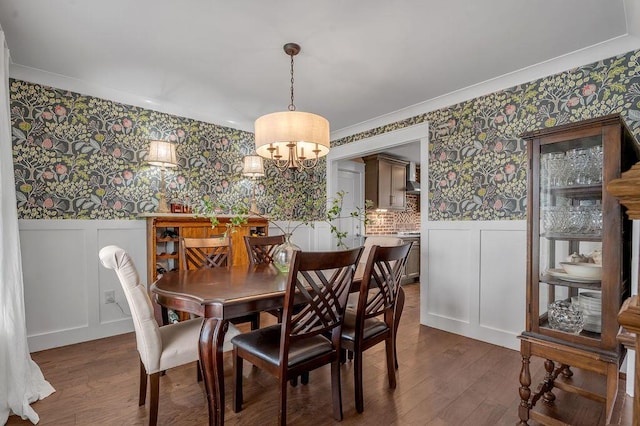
<point>298,344</point>
<point>261,249</point>
<point>373,320</point>
<point>212,252</point>
<point>159,348</point>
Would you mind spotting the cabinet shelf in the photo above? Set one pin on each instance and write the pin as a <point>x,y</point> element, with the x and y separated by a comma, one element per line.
<point>566,236</point>
<point>166,240</point>
<point>548,279</point>
<point>167,256</point>
<point>578,192</point>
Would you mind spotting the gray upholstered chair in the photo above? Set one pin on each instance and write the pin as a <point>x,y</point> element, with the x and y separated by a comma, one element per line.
<point>160,348</point>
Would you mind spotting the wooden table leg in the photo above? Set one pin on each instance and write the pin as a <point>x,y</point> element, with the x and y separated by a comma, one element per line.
<point>211,362</point>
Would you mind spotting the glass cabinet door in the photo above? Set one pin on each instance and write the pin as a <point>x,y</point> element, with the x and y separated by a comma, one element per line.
<point>570,237</point>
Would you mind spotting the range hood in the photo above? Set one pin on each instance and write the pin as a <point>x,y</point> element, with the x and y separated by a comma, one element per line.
<point>413,186</point>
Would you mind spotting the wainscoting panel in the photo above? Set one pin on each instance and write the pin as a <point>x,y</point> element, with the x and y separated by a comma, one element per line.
<point>448,274</point>
<point>64,283</point>
<point>503,264</point>
<point>134,242</point>
<point>54,273</point>
<point>474,279</point>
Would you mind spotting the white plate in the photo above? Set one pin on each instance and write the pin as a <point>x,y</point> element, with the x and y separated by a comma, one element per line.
<point>561,274</point>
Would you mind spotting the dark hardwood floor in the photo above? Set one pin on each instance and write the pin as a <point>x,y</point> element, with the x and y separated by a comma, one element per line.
<point>443,379</point>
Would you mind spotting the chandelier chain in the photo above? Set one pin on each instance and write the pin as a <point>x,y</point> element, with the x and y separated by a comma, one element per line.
<point>292,107</point>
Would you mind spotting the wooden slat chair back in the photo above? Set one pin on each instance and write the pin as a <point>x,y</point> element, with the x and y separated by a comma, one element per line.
<point>211,252</point>
<point>300,344</point>
<point>261,249</point>
<point>374,319</point>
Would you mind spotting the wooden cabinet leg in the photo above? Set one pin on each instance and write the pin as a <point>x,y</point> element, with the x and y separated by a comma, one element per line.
<point>525,391</point>
<point>566,371</point>
<point>549,378</point>
<point>612,390</point>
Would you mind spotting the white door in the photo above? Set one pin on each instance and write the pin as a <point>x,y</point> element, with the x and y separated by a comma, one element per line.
<point>351,181</point>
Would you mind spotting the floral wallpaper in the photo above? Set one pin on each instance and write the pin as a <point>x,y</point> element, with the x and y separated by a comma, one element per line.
<point>80,157</point>
<point>477,162</point>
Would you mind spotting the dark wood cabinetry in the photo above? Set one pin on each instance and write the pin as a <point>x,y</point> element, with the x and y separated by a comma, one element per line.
<point>412,268</point>
<point>570,212</point>
<point>385,182</point>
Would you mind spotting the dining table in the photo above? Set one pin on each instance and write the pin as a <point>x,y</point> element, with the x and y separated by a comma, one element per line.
<point>219,295</point>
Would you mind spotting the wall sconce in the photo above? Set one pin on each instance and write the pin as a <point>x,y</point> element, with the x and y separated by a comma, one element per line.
<point>163,155</point>
<point>253,168</point>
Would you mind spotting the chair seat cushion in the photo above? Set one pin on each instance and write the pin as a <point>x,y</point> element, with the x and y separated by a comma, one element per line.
<point>180,343</point>
<point>372,326</point>
<point>265,344</point>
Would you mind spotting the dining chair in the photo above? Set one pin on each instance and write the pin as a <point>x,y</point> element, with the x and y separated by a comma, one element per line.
<point>212,252</point>
<point>159,348</point>
<point>298,344</point>
<point>370,241</point>
<point>261,249</point>
<point>373,320</point>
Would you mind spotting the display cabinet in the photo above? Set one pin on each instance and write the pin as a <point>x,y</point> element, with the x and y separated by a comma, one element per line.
<point>578,269</point>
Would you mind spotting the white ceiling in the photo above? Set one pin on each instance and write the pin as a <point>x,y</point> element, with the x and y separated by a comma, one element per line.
<point>222,61</point>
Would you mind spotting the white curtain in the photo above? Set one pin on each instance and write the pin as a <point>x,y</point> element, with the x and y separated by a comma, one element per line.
<point>21,381</point>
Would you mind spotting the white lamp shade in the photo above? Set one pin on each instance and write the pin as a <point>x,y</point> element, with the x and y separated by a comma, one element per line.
<point>308,131</point>
<point>253,166</point>
<point>162,153</point>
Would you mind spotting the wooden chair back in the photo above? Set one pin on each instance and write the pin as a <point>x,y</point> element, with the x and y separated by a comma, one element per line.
<point>320,281</point>
<point>381,281</point>
<point>211,252</point>
<point>261,249</point>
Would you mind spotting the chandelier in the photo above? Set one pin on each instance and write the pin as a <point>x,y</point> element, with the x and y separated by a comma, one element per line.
<point>292,139</point>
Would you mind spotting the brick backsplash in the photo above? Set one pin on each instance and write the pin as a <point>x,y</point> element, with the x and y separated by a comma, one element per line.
<point>390,222</point>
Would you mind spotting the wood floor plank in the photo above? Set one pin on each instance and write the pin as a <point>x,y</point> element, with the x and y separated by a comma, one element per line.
<point>443,380</point>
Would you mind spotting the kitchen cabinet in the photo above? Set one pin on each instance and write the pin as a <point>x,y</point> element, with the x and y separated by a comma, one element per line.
<point>164,231</point>
<point>385,182</point>
<point>571,318</point>
<point>412,267</point>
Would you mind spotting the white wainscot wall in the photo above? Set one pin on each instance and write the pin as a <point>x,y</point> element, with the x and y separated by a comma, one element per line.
<point>64,283</point>
<point>473,279</point>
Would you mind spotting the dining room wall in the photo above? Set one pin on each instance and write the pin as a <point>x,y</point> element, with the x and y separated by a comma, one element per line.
<point>477,161</point>
<point>81,182</point>
<point>473,217</point>
<point>83,157</point>
<point>84,164</point>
